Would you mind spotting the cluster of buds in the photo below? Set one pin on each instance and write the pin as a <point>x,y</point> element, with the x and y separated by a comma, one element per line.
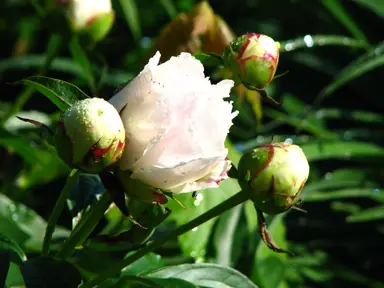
<point>90,135</point>
<point>275,175</point>
<point>253,59</point>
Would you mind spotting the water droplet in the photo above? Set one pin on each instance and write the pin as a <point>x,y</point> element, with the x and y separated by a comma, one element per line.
<point>197,202</point>
<point>260,139</point>
<point>319,114</point>
<point>289,46</point>
<point>308,40</point>
<point>347,155</point>
<point>199,196</point>
<point>328,176</point>
<point>194,229</point>
<point>193,254</point>
<point>288,141</point>
<point>12,207</point>
<point>376,191</point>
<point>15,217</point>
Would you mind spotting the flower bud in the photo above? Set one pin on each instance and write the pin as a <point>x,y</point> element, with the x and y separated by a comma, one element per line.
<point>275,175</point>
<point>91,17</point>
<point>253,59</point>
<point>90,135</point>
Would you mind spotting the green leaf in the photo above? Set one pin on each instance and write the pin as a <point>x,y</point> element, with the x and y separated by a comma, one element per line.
<point>149,262</point>
<point>61,93</point>
<point>225,237</point>
<point>131,15</point>
<point>193,243</point>
<point>64,65</point>
<point>364,64</point>
<point>337,9</point>
<point>371,214</point>
<point>343,194</point>
<point>50,272</point>
<point>150,282</point>
<point>86,191</point>
<point>268,262</point>
<point>81,58</point>
<point>24,225</point>
<point>310,41</point>
<point>206,275</point>
<point>169,7</point>
<point>14,250</point>
<point>209,60</point>
<point>14,277</point>
<point>341,150</point>
<point>376,6</point>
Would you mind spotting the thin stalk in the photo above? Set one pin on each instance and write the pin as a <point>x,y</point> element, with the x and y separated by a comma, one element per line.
<point>85,227</point>
<point>228,204</point>
<point>72,177</point>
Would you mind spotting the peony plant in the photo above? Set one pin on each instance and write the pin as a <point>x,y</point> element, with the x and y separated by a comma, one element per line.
<point>176,123</point>
<point>90,135</point>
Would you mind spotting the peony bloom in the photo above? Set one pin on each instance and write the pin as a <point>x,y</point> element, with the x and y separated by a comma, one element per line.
<point>275,175</point>
<point>253,59</point>
<point>83,12</point>
<point>90,135</point>
<point>176,123</point>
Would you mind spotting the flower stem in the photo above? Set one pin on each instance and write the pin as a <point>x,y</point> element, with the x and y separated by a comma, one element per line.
<point>85,227</point>
<point>72,177</point>
<point>233,201</point>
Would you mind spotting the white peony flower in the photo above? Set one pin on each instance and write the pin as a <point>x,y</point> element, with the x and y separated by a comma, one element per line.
<point>84,11</point>
<point>176,123</point>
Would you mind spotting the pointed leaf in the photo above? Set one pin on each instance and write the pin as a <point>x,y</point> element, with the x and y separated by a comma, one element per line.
<point>371,214</point>
<point>131,15</point>
<point>16,253</point>
<point>61,93</point>
<point>268,262</point>
<point>376,6</point>
<point>146,264</point>
<point>309,41</point>
<point>362,65</point>
<point>209,60</point>
<point>206,275</point>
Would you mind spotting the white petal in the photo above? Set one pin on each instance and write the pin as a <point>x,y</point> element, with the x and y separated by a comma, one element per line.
<point>170,177</point>
<point>144,112</point>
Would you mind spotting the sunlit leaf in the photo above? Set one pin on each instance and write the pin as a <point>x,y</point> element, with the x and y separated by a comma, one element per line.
<point>309,41</point>
<point>341,150</point>
<point>343,194</point>
<point>268,262</point>
<point>362,65</point>
<point>206,275</point>
<point>149,282</point>
<point>23,225</point>
<point>8,245</point>
<point>193,243</point>
<point>371,214</point>
<point>337,9</point>
<point>61,93</point>
<point>376,6</point>
<point>131,15</point>
<point>144,265</point>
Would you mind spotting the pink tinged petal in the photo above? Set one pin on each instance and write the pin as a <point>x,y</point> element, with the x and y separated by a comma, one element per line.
<point>211,180</point>
<point>144,113</point>
<point>167,178</point>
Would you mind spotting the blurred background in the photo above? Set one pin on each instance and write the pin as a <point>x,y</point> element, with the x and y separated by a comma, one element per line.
<point>331,105</point>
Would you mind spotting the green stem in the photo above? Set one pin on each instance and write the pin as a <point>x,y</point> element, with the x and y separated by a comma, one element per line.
<point>235,200</point>
<point>85,227</point>
<point>72,177</point>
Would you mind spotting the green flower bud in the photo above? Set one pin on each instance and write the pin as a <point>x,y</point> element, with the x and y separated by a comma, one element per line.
<point>138,190</point>
<point>253,59</point>
<point>274,174</point>
<point>90,135</point>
